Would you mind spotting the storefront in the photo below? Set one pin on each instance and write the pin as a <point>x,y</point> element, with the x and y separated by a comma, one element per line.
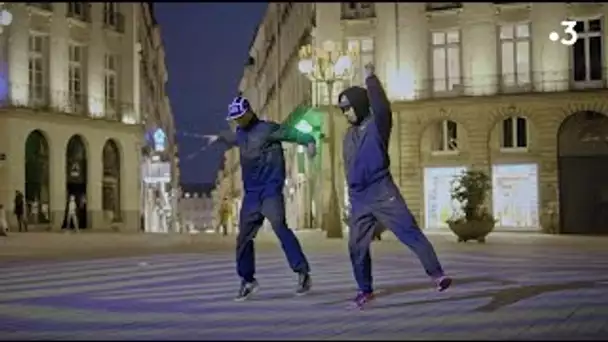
<point>438,204</point>
<point>515,196</point>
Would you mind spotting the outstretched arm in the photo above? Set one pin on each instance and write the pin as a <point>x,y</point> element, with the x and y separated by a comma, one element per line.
<point>379,102</point>
<point>284,133</point>
<point>228,137</point>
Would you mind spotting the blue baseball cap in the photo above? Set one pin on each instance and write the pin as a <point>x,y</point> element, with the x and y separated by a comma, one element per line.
<point>238,107</point>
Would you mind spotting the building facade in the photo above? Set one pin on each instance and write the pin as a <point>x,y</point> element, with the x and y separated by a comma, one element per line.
<point>515,89</point>
<point>71,120</point>
<point>196,208</point>
<point>160,168</point>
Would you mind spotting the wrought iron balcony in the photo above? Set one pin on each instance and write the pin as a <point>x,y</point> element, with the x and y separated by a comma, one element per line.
<point>442,6</point>
<point>495,84</point>
<point>63,103</point>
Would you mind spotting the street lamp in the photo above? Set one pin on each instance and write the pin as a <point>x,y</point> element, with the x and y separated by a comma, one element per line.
<point>6,17</point>
<point>328,65</point>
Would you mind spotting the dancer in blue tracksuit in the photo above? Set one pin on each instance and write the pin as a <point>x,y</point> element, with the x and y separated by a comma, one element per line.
<point>263,174</point>
<point>373,194</point>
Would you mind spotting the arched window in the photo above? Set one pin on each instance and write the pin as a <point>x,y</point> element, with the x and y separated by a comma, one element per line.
<point>514,133</point>
<point>445,136</point>
<point>37,177</point>
<point>111,182</point>
<point>76,178</point>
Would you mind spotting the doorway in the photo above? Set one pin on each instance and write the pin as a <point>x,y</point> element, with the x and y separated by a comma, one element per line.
<point>77,178</point>
<point>583,170</point>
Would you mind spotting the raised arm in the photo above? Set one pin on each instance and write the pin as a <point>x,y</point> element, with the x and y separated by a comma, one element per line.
<point>380,104</point>
<point>284,133</point>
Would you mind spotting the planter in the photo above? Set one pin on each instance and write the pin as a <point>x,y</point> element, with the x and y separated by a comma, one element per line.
<point>472,230</point>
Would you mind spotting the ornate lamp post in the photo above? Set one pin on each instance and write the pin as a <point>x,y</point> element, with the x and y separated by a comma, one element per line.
<point>328,65</point>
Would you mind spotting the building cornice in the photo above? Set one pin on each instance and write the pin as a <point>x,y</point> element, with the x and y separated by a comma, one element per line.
<point>60,118</point>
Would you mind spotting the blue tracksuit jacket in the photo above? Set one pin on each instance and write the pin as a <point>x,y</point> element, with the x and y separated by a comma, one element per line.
<point>263,173</point>
<point>261,154</point>
<point>365,152</point>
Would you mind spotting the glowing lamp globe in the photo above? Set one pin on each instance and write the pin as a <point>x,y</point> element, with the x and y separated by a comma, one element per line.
<point>6,18</point>
<point>305,66</point>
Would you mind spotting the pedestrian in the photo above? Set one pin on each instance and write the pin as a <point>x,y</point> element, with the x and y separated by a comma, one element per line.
<point>263,172</point>
<point>3,221</point>
<point>72,219</point>
<point>19,210</point>
<point>373,195</point>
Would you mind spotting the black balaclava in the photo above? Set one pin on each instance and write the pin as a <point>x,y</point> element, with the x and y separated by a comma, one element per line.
<point>355,97</point>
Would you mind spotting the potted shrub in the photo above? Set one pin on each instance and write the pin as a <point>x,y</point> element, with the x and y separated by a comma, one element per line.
<point>473,221</point>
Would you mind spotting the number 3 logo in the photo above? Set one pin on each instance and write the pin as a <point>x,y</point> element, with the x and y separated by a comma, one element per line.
<point>570,31</point>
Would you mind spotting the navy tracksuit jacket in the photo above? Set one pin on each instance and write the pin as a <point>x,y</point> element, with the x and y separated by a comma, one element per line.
<point>263,174</point>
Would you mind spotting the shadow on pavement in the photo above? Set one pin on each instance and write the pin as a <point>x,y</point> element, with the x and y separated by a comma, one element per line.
<point>385,291</point>
<point>504,297</point>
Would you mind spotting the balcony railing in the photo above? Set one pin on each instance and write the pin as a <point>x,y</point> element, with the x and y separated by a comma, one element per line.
<point>80,11</point>
<point>114,21</point>
<point>42,5</point>
<point>496,84</point>
<point>64,103</point>
<point>442,6</point>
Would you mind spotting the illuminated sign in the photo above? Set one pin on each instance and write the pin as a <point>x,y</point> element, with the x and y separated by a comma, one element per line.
<point>438,203</point>
<point>159,140</point>
<point>515,195</point>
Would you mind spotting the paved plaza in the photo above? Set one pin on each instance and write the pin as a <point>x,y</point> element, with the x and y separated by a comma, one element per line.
<point>513,287</point>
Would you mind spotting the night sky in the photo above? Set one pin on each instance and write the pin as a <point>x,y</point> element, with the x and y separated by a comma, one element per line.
<point>206,47</point>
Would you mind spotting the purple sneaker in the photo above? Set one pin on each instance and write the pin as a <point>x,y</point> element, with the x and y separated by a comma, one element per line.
<point>443,283</point>
<point>362,299</point>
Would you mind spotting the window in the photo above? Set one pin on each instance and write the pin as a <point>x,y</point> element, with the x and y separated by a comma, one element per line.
<point>515,55</point>
<point>364,47</point>
<point>514,133</point>
<point>76,76</point>
<point>445,136</point>
<point>79,10</point>
<point>38,69</point>
<point>446,61</point>
<point>587,51</point>
<point>112,16</point>
<point>111,85</point>
<point>358,10</point>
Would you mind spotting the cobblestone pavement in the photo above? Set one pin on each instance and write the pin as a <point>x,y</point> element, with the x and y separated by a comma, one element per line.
<point>513,287</point>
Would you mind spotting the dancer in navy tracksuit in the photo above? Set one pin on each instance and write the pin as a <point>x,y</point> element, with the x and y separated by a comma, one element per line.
<point>373,194</point>
<point>263,173</point>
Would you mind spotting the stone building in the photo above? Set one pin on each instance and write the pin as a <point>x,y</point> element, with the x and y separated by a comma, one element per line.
<point>515,89</point>
<point>71,116</point>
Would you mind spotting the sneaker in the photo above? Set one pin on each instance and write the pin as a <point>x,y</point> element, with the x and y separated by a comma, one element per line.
<point>304,284</point>
<point>246,290</point>
<point>443,283</point>
<point>362,299</point>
